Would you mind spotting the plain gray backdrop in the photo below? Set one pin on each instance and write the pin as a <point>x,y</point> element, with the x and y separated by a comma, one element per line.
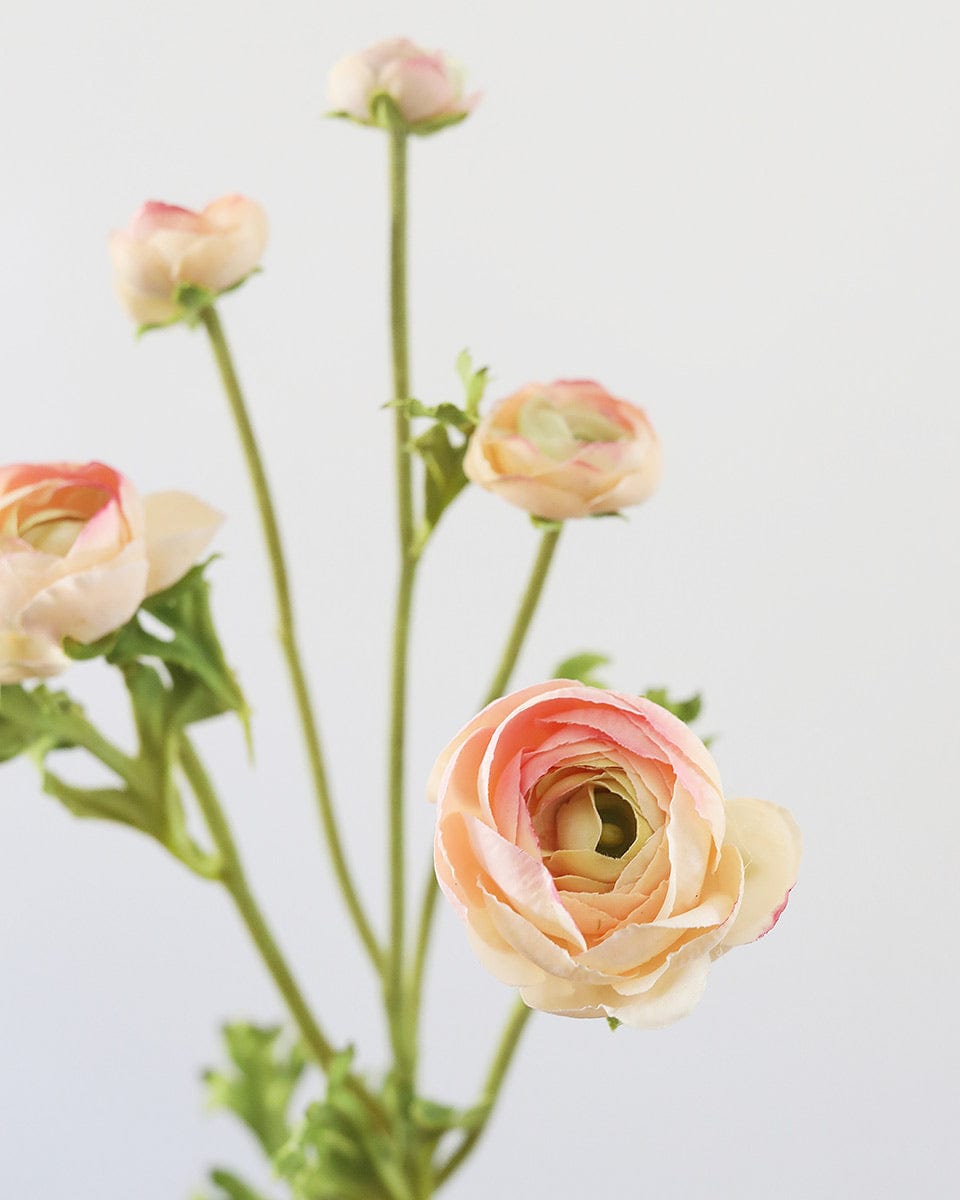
<point>742,216</point>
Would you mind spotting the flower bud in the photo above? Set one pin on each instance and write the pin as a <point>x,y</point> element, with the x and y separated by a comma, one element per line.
<point>79,552</point>
<point>565,449</point>
<point>426,88</point>
<point>165,247</point>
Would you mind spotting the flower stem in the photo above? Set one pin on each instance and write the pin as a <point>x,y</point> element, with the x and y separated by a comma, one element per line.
<point>393,992</point>
<point>234,880</point>
<point>528,606</point>
<point>511,652</point>
<point>287,630</point>
<point>236,884</point>
<point>509,1040</point>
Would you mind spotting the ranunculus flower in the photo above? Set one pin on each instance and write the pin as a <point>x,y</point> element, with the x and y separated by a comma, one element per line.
<point>79,552</point>
<point>426,87</point>
<point>584,838</point>
<point>565,449</point>
<point>165,246</point>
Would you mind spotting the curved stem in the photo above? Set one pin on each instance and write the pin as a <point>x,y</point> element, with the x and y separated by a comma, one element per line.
<point>508,660</point>
<point>287,631</point>
<point>234,880</point>
<point>509,1040</point>
<point>393,982</point>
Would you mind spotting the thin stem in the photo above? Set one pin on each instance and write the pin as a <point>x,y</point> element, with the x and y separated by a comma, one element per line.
<point>287,630</point>
<point>393,990</point>
<point>498,685</point>
<point>521,623</point>
<point>491,1089</point>
<point>235,881</point>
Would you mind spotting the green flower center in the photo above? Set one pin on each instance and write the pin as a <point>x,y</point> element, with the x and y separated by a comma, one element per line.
<point>618,828</point>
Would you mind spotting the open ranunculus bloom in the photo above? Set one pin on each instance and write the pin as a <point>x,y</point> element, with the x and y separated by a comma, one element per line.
<point>584,838</point>
<point>79,552</point>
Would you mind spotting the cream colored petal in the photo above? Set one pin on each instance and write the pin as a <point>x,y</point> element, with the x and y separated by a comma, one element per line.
<point>179,527</point>
<point>350,85</point>
<point>769,841</point>
<point>674,995</point>
<point>498,957</point>
<point>29,656</point>
<point>89,604</point>
<point>564,998</point>
<point>690,843</point>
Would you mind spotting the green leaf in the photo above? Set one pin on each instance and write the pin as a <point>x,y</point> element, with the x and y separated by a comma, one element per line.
<point>687,710</point>
<point>232,1187</point>
<point>107,804</point>
<point>614,1023</point>
<point>444,471</point>
<point>581,667</point>
<point>260,1087</point>
<point>474,384</point>
<point>202,685</point>
<point>446,414</point>
<point>32,722</point>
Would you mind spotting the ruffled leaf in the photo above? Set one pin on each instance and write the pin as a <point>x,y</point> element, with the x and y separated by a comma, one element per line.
<point>261,1083</point>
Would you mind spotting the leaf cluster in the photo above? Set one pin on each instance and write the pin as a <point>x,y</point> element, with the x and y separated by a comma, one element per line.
<point>172,681</point>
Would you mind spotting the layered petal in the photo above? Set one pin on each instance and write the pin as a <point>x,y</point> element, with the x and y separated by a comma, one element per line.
<point>583,837</point>
<point>564,450</point>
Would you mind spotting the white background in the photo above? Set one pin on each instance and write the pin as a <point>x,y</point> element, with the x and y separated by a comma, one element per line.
<point>743,216</point>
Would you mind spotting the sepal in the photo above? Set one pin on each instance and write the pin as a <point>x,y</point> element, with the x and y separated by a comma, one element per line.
<point>192,300</point>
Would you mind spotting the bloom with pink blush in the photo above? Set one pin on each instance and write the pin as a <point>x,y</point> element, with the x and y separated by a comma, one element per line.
<point>79,552</point>
<point>165,247</point>
<point>426,86</point>
<point>565,449</point>
<point>583,837</point>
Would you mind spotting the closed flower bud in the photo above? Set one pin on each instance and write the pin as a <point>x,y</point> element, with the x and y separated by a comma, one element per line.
<point>79,552</point>
<point>565,449</point>
<point>427,88</point>
<point>165,247</point>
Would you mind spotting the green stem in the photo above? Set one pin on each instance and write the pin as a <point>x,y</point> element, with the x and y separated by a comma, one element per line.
<point>511,652</point>
<point>236,884</point>
<point>287,630</point>
<point>393,983</point>
<point>491,1089</point>
<point>234,880</point>
<point>521,623</point>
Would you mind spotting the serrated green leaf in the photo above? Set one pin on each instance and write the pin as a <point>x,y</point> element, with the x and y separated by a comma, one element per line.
<point>581,667</point>
<point>260,1089</point>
